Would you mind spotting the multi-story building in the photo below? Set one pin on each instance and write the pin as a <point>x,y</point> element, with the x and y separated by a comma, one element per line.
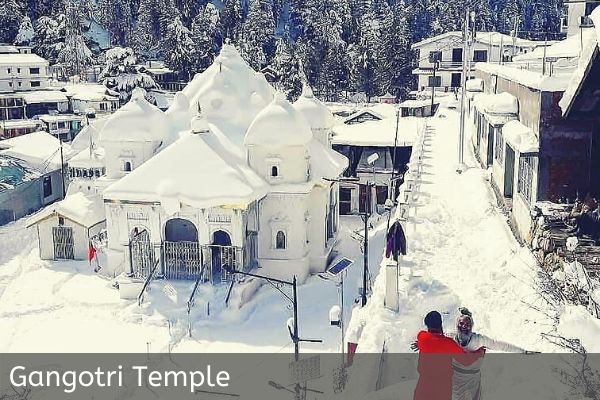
<point>576,17</point>
<point>440,58</point>
<point>22,70</point>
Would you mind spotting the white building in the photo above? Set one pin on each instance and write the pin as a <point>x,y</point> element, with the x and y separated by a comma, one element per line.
<point>92,96</point>
<point>447,50</point>
<point>576,17</point>
<point>242,183</point>
<point>22,71</point>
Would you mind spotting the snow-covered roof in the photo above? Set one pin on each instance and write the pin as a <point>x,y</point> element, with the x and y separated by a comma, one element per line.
<point>20,123</point>
<point>84,159</point>
<point>558,82</point>
<point>588,56</point>
<point>60,117</point>
<point>90,92</point>
<point>415,103</point>
<point>326,163</point>
<point>474,85</point>
<point>361,112</point>
<point>44,96</point>
<point>229,90</point>
<point>378,132</point>
<point>138,120</point>
<point>567,48</point>
<point>489,38</point>
<point>86,210</point>
<point>198,170</point>
<point>502,103</point>
<point>313,110</point>
<point>21,59</point>
<point>520,137</point>
<point>40,150</point>
<point>277,125</point>
<point>82,139</point>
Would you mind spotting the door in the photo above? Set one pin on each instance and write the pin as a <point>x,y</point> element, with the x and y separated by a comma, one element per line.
<point>221,256</point>
<point>182,257</point>
<point>457,55</point>
<point>141,253</point>
<point>63,242</point>
<point>509,172</point>
<point>345,201</point>
<point>455,79</point>
<point>490,145</point>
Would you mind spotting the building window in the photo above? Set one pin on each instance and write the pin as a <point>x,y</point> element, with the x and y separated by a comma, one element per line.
<point>499,147</point>
<point>280,240</point>
<point>527,166</point>
<point>8,69</point>
<point>435,81</point>
<point>34,71</point>
<point>19,83</point>
<point>102,106</point>
<point>127,166</point>
<point>274,171</point>
<point>61,221</point>
<point>35,83</point>
<point>435,56</point>
<point>47,186</point>
<point>18,70</point>
<point>480,56</point>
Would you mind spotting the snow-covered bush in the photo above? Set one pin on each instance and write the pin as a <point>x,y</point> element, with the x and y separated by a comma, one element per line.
<point>122,75</point>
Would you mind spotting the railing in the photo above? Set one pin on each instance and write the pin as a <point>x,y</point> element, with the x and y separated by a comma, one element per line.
<point>147,283</point>
<point>190,302</point>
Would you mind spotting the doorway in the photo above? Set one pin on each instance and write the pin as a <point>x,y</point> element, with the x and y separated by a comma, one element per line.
<point>509,172</point>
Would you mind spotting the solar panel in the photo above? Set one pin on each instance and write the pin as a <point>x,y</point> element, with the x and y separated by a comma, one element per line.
<point>340,266</point>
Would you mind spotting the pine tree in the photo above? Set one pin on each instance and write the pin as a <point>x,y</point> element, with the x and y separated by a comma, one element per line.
<point>47,38</point>
<point>10,19</point>
<point>26,32</point>
<point>178,48</point>
<point>153,18</point>
<point>258,40</point>
<point>287,65</point>
<point>115,16</point>
<point>231,20</point>
<point>397,57</point>
<point>206,37</point>
<point>121,75</point>
<point>74,54</point>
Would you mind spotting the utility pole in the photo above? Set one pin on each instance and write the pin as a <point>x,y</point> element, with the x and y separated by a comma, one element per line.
<point>463,79</point>
<point>62,169</point>
<point>435,66</point>
<point>366,254</point>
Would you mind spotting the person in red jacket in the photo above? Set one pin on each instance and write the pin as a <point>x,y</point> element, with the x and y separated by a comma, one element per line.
<point>436,353</point>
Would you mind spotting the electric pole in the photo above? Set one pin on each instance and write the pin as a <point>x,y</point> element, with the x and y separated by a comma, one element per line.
<point>461,138</point>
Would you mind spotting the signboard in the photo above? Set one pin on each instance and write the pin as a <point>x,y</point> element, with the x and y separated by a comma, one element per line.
<point>305,370</point>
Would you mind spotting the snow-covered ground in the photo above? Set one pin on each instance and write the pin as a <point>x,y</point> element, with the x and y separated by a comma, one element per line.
<point>48,306</point>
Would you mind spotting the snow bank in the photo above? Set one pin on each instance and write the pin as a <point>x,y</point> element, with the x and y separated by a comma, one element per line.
<point>567,48</point>
<point>474,85</point>
<point>577,322</point>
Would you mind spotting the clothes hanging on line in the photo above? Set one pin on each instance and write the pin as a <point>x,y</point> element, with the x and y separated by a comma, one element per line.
<point>395,241</point>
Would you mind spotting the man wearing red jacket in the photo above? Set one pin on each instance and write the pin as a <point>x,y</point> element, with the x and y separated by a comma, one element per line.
<point>436,353</point>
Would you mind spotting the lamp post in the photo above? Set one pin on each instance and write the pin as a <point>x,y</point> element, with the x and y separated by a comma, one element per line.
<point>293,330</point>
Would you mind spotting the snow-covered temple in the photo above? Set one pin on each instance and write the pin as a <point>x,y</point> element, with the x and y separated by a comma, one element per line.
<point>231,175</point>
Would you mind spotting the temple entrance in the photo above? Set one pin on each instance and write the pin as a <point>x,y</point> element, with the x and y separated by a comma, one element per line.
<point>181,250</point>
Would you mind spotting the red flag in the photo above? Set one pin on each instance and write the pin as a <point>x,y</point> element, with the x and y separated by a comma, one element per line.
<point>91,252</point>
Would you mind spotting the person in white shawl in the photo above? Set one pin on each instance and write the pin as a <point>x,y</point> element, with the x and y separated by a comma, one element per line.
<point>466,382</point>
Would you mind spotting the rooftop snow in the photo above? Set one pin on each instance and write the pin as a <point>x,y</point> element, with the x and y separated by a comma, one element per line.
<point>41,150</point>
<point>197,170</point>
<point>83,159</point>
<point>90,92</point>
<point>315,112</point>
<point>474,85</point>
<point>493,38</point>
<point>378,133</point>
<point>22,59</point>
<point>503,103</point>
<point>86,210</point>
<point>20,123</point>
<point>279,124</point>
<point>60,117</point>
<point>588,55</point>
<point>44,96</point>
<point>568,48</point>
<point>534,80</point>
<point>82,140</point>
<point>137,120</point>
<point>520,137</point>
<point>14,172</point>
<point>415,103</point>
<point>229,90</point>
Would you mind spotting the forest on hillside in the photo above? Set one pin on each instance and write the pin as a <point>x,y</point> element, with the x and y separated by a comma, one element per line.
<point>338,46</point>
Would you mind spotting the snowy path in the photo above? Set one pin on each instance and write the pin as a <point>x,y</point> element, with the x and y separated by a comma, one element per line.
<point>460,240</point>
